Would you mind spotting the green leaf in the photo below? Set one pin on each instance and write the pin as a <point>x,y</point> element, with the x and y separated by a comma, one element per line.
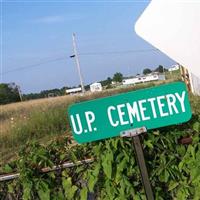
<point>43,191</point>
<point>67,183</point>
<point>71,192</point>
<point>110,190</point>
<point>196,126</point>
<point>197,192</point>
<point>62,156</point>
<point>122,165</point>
<point>91,182</point>
<point>195,173</point>
<point>107,164</point>
<point>162,176</point>
<point>27,187</point>
<point>7,168</point>
<point>69,188</point>
<point>83,193</point>
<point>173,185</point>
<point>195,139</point>
<point>107,168</point>
<point>192,150</point>
<point>181,150</point>
<point>10,188</point>
<point>166,176</point>
<point>57,195</point>
<point>149,144</point>
<point>52,175</point>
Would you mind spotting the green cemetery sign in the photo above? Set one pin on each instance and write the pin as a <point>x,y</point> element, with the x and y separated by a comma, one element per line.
<point>152,107</point>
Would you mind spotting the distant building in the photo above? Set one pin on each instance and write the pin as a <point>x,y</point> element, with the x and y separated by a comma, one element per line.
<point>144,78</point>
<point>113,82</point>
<point>174,68</point>
<point>96,87</point>
<point>51,95</point>
<point>73,90</point>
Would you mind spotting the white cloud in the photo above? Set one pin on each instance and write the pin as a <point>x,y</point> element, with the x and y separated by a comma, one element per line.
<point>56,19</point>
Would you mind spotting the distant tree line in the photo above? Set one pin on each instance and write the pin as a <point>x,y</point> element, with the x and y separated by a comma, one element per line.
<point>9,91</point>
<point>159,69</point>
<point>46,93</point>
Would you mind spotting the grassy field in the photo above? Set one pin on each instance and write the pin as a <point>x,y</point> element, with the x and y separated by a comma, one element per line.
<point>43,119</point>
<point>37,119</point>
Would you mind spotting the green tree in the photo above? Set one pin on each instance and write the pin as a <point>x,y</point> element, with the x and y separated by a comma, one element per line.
<point>109,81</point>
<point>8,93</point>
<point>63,90</point>
<point>106,82</point>
<point>117,77</point>
<point>147,71</point>
<point>160,69</point>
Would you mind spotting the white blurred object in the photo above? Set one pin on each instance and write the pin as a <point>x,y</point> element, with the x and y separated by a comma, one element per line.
<point>173,26</point>
<point>174,68</point>
<point>96,87</point>
<point>195,84</point>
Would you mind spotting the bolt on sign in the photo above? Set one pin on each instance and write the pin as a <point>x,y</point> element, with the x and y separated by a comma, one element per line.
<point>154,107</point>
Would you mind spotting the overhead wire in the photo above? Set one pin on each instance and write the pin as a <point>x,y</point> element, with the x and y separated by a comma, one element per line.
<point>118,52</point>
<point>81,54</point>
<point>36,64</point>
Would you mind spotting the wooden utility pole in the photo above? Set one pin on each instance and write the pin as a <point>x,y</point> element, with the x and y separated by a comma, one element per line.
<point>186,77</point>
<point>20,93</point>
<point>77,62</point>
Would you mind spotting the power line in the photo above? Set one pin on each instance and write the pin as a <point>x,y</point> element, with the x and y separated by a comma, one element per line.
<point>118,52</point>
<point>36,64</point>
<point>81,54</point>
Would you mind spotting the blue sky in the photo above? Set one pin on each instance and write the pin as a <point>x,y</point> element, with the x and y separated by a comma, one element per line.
<point>36,32</point>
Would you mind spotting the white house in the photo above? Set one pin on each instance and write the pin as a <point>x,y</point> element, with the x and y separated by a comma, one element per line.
<point>73,90</point>
<point>145,78</point>
<point>174,68</point>
<point>96,87</point>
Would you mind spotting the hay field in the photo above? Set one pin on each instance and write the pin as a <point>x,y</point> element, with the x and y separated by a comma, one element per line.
<point>35,119</point>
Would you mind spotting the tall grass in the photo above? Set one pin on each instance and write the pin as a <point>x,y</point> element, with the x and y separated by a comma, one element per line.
<point>22,122</point>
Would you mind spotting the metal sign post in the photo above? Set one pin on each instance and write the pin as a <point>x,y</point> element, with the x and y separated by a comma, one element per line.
<point>134,134</point>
